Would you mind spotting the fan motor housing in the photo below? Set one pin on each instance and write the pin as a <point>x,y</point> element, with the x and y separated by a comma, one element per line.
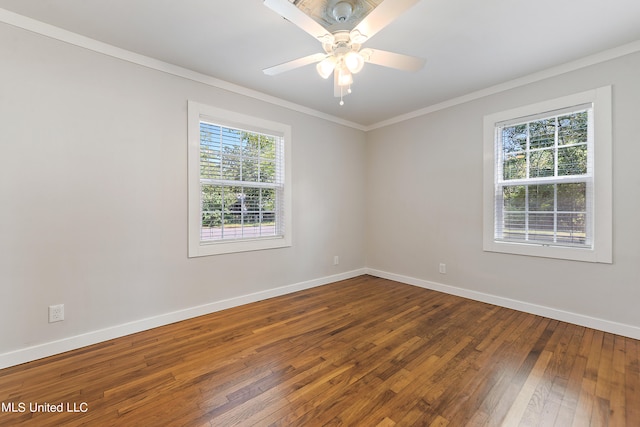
<point>342,44</point>
<point>344,12</point>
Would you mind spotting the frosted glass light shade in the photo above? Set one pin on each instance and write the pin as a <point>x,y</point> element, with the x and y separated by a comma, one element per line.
<point>326,67</point>
<point>344,77</point>
<point>354,62</point>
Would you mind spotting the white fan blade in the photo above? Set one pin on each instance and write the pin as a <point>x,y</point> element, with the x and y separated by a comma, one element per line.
<point>291,13</point>
<point>381,16</point>
<point>392,60</point>
<point>300,62</point>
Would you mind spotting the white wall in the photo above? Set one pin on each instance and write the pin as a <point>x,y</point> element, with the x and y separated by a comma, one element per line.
<point>425,207</point>
<point>93,193</point>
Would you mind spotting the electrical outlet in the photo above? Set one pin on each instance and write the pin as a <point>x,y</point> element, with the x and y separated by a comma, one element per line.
<point>336,260</point>
<point>56,313</point>
<point>442,268</point>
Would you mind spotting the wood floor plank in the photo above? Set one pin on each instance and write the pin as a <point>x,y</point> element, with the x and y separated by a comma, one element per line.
<point>517,410</point>
<point>507,366</point>
<point>632,379</point>
<point>359,352</point>
<point>574,382</point>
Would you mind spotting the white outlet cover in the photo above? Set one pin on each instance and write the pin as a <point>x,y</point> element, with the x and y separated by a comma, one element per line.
<point>56,313</point>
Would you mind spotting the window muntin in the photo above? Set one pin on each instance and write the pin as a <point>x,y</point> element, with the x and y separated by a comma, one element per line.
<point>544,182</point>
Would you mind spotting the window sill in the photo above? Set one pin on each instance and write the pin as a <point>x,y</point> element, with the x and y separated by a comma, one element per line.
<point>234,246</point>
<point>549,251</point>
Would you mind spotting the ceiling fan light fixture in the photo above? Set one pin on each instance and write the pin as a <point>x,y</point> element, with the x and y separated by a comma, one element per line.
<point>342,26</point>
<point>345,78</point>
<point>354,62</point>
<point>357,37</point>
<point>366,54</point>
<point>326,66</point>
<point>327,39</point>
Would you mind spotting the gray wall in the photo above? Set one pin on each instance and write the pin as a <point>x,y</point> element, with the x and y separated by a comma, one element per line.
<point>93,189</point>
<point>424,180</point>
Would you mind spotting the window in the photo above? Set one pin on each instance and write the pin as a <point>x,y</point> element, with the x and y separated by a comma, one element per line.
<point>547,183</point>
<point>239,193</point>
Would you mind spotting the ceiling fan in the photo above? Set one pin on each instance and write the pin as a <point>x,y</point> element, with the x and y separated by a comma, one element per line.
<point>342,43</point>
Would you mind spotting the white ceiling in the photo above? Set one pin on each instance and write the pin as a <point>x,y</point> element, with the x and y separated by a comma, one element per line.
<point>469,45</point>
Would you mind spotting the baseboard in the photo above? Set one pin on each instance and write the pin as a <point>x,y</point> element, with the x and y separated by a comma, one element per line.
<point>71,343</point>
<point>552,313</point>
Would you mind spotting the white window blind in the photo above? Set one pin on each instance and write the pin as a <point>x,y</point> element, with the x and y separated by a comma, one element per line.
<point>242,183</point>
<point>544,178</point>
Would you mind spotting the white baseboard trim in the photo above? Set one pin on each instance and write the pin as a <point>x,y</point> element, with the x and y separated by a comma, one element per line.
<point>40,351</point>
<point>552,313</point>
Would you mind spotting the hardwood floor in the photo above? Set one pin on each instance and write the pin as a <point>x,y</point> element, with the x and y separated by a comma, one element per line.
<point>361,352</point>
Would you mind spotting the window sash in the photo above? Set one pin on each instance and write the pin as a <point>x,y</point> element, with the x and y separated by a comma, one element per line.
<point>549,227</point>
<point>562,227</point>
<point>231,219</point>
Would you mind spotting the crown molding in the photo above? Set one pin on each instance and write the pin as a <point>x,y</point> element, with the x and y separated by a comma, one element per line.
<point>75,39</point>
<point>587,61</point>
<point>66,36</point>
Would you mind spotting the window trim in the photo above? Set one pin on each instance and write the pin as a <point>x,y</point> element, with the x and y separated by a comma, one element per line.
<point>197,112</point>
<point>601,250</point>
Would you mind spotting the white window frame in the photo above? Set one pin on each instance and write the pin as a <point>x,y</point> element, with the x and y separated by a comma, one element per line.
<point>198,112</point>
<point>602,217</point>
